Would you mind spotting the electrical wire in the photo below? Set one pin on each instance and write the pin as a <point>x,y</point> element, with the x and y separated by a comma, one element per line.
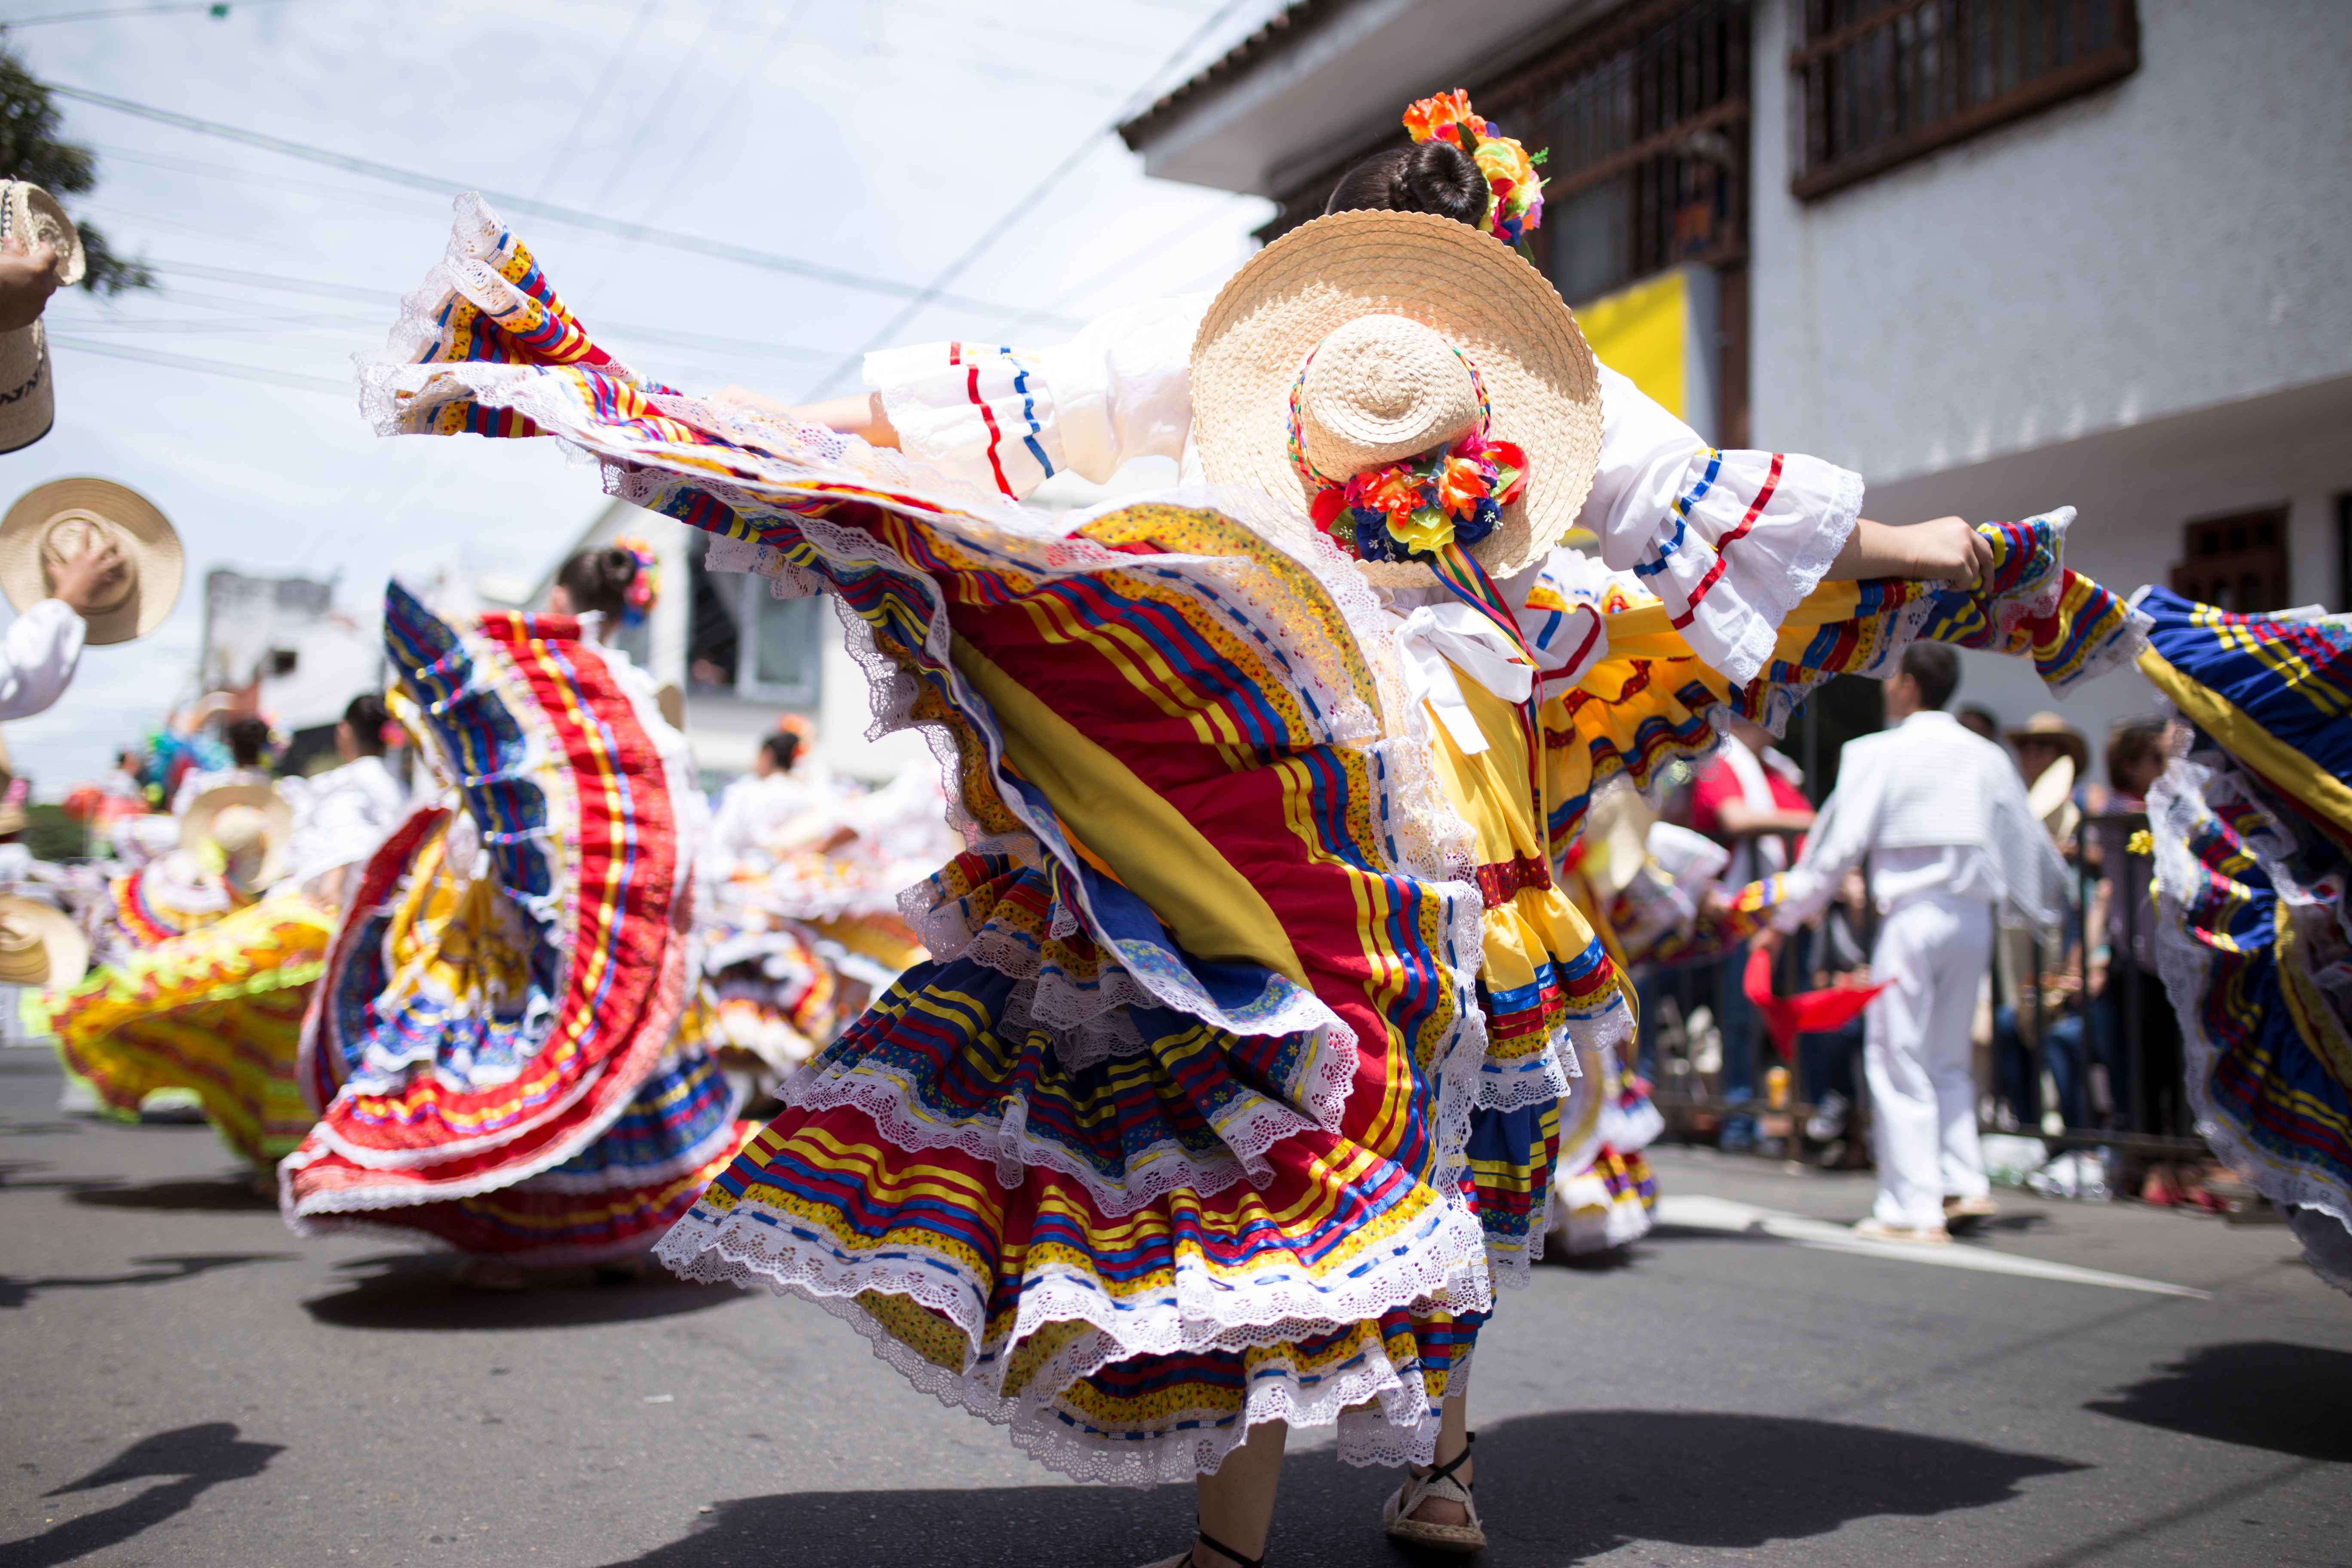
<point>935,291</point>
<point>176,7</point>
<point>206,366</point>
<point>645,233</point>
<point>617,328</point>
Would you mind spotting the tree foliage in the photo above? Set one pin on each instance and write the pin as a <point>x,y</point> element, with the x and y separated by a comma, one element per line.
<point>51,835</point>
<point>30,150</point>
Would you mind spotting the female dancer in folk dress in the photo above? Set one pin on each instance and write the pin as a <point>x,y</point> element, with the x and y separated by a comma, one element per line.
<point>1228,1087</point>
<point>496,1054</point>
<point>215,1006</point>
<point>2253,839</point>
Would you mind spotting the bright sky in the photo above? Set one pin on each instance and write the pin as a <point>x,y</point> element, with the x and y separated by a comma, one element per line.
<point>879,138</point>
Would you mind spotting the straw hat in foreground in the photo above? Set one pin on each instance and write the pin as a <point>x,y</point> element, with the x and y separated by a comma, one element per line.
<point>54,522</point>
<point>1366,337</point>
<point>40,945</point>
<point>250,824</point>
<point>27,398</point>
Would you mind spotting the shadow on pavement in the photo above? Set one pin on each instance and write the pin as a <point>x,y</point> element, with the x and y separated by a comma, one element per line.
<point>198,1458</point>
<point>2289,1399</point>
<point>226,1194</point>
<point>417,1291</point>
<point>16,1292</point>
<point>1554,1489</point>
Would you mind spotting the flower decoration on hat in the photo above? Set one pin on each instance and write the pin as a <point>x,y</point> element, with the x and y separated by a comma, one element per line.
<point>1515,190</point>
<point>645,588</point>
<point>1413,508</point>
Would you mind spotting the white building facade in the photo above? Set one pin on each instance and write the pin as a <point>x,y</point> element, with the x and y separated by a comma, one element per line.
<point>1998,256</point>
<point>741,658</point>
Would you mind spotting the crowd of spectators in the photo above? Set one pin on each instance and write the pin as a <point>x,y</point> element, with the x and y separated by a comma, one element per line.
<point>2079,1040</point>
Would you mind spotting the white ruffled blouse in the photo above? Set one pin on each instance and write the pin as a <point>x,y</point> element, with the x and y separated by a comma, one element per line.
<point>1729,541</point>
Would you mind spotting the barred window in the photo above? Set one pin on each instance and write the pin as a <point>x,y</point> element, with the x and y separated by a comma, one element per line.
<point>1879,83</point>
<point>2236,562</point>
<point>1647,125</point>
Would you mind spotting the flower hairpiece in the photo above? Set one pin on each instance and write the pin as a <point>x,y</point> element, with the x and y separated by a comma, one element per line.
<point>1515,190</point>
<point>796,725</point>
<point>645,588</point>
<point>1412,508</point>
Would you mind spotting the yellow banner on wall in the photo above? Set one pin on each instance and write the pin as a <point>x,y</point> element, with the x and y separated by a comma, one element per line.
<point>1661,335</point>
<point>1643,335</point>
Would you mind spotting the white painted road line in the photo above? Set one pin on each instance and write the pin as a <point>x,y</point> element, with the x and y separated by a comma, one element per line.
<point>1697,1211</point>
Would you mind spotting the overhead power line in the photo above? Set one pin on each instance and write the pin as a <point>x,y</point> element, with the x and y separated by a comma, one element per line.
<point>207,366</point>
<point>637,233</point>
<point>106,14</point>
<point>279,283</point>
<point>935,291</point>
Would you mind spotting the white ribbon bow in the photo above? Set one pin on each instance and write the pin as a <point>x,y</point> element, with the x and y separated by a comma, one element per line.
<point>1438,639</point>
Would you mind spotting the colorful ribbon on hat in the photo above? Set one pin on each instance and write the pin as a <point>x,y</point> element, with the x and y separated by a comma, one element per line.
<point>1413,508</point>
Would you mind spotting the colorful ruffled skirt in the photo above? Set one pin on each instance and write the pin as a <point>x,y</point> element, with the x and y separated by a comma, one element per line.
<point>503,1055</point>
<point>1230,1084</point>
<point>775,992</point>
<point>216,1009</point>
<point>2253,839</point>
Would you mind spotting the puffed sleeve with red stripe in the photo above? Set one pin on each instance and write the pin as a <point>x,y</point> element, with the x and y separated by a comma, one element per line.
<point>1730,541</point>
<point>1008,418</point>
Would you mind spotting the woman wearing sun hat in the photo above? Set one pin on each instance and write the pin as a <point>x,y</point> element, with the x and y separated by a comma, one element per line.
<point>215,1007</point>
<point>1225,1095</point>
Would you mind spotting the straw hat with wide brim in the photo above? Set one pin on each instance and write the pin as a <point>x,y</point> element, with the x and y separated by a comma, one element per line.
<point>2051,798</point>
<point>27,397</point>
<point>2050,730</point>
<point>1396,308</point>
<point>40,945</point>
<point>54,522</point>
<point>250,823</point>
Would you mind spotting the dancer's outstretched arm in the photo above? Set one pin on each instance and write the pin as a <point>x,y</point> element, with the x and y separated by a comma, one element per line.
<point>860,414</point>
<point>1945,550</point>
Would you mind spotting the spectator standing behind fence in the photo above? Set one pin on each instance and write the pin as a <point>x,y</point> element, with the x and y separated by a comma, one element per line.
<point>2052,758</point>
<point>1942,817</point>
<point>2127,990</point>
<point>1744,797</point>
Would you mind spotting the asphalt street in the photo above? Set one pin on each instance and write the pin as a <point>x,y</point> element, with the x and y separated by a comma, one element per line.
<point>185,1383</point>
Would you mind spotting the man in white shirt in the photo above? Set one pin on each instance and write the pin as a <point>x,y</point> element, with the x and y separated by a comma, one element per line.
<point>1942,815</point>
<point>41,646</point>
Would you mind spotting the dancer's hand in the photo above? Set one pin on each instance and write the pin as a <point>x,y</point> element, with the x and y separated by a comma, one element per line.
<point>1946,549</point>
<point>81,581</point>
<point>28,278</point>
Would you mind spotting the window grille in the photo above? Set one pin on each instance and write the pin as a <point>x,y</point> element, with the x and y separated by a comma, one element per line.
<point>1880,83</point>
<point>2235,562</point>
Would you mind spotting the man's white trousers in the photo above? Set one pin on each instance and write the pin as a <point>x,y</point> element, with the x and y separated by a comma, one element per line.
<point>1932,952</point>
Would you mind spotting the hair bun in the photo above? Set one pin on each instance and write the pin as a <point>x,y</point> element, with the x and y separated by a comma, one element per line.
<point>1439,177</point>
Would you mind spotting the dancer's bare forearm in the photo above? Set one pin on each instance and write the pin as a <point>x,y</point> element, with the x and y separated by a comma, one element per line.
<point>1945,550</point>
<point>860,415</point>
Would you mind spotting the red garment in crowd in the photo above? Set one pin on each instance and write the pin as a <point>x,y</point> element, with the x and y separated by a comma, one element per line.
<point>1715,783</point>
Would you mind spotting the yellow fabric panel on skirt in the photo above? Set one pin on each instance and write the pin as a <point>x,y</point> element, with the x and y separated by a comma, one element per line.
<point>217,1010</point>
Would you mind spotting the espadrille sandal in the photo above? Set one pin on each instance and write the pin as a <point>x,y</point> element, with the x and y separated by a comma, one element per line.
<point>1419,1486</point>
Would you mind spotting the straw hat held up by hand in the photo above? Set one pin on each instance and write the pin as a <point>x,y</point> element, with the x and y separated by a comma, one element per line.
<point>56,522</point>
